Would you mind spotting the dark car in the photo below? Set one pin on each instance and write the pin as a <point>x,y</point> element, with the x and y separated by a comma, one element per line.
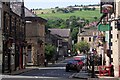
<point>75,65</point>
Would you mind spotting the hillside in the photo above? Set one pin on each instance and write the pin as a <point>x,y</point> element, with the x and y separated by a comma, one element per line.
<point>57,18</point>
<point>86,14</point>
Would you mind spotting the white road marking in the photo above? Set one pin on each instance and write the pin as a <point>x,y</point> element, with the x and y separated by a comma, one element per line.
<point>10,76</point>
<point>52,68</point>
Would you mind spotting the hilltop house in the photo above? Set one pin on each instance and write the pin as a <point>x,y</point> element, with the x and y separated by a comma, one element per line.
<point>77,7</point>
<point>87,35</point>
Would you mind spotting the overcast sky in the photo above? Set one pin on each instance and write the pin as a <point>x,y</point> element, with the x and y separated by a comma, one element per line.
<point>53,3</point>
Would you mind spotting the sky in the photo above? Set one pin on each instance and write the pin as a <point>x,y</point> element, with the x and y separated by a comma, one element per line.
<point>34,4</point>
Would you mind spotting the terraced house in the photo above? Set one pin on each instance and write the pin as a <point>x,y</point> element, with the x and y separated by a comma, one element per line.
<point>12,37</point>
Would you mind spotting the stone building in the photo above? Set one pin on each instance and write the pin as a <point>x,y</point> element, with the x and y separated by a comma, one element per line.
<point>87,35</point>
<point>35,37</point>
<point>54,40</point>
<point>12,36</point>
<point>65,43</point>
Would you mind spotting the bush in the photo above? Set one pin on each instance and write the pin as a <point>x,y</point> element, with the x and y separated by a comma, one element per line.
<point>49,51</point>
<point>82,46</point>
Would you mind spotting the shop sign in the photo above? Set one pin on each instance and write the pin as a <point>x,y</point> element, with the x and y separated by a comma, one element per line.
<point>104,27</point>
<point>107,6</point>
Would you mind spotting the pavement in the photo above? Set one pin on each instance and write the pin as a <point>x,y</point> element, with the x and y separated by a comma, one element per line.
<point>20,71</point>
<point>86,74</point>
<point>28,68</point>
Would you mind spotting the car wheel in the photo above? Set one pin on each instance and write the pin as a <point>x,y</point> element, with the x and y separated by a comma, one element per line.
<point>67,70</point>
<point>78,70</point>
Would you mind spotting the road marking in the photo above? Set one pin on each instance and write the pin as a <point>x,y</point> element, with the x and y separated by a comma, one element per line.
<point>72,75</point>
<point>52,68</point>
<point>11,76</point>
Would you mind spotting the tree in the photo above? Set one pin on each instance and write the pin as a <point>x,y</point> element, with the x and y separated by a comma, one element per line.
<point>82,46</point>
<point>53,11</point>
<point>74,34</point>
<point>56,7</point>
<point>49,51</point>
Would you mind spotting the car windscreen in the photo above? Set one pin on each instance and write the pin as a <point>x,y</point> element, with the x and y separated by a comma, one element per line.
<point>72,61</point>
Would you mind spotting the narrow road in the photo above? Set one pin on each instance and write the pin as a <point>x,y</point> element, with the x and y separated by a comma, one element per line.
<point>52,72</point>
<point>55,71</point>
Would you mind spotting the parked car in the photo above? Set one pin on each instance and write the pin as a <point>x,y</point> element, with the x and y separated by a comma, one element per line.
<point>74,65</point>
<point>83,58</point>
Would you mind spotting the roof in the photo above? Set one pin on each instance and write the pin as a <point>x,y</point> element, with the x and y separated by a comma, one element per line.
<point>60,32</point>
<point>87,32</point>
<point>35,19</point>
<point>29,13</point>
<point>16,7</point>
<point>30,16</point>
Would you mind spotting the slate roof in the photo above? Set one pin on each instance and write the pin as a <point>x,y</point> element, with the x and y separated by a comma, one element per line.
<point>60,32</point>
<point>29,13</point>
<point>87,32</point>
<point>16,7</point>
<point>30,16</point>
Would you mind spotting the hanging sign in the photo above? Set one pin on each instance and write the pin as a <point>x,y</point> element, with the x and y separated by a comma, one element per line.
<point>107,6</point>
<point>104,27</point>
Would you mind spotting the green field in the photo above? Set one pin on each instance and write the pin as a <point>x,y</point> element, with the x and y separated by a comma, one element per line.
<point>89,15</point>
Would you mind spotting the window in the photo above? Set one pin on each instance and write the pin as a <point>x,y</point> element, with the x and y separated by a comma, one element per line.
<point>89,39</point>
<point>29,47</point>
<point>117,36</point>
<point>82,39</point>
<point>110,43</point>
<point>111,28</point>
<point>111,36</point>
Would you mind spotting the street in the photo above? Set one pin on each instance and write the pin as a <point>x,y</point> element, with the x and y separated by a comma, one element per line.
<point>53,71</point>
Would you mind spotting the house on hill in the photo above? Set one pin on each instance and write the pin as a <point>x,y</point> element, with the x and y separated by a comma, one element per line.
<point>88,36</point>
<point>90,7</point>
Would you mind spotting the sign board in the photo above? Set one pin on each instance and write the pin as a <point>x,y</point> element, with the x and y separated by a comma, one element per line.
<point>107,6</point>
<point>104,27</point>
